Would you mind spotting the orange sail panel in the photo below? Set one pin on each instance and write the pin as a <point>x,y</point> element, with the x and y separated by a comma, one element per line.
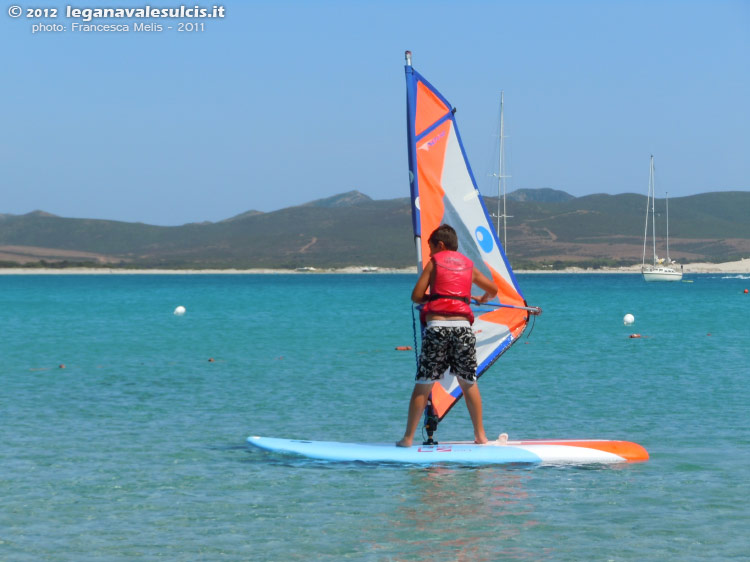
<point>431,108</point>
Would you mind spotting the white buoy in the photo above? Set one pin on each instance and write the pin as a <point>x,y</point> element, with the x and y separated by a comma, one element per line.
<point>179,311</point>
<point>627,319</point>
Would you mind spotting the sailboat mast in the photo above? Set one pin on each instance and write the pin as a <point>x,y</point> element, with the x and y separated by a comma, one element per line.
<point>667,202</point>
<point>652,189</point>
<point>501,177</point>
<point>645,228</point>
<point>412,160</point>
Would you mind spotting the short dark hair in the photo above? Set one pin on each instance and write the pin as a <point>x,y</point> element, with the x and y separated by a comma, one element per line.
<point>445,234</point>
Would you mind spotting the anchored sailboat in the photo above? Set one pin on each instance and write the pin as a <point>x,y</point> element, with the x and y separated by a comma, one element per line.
<point>660,269</point>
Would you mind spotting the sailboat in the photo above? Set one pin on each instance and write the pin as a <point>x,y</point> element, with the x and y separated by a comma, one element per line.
<point>660,269</point>
<point>444,191</point>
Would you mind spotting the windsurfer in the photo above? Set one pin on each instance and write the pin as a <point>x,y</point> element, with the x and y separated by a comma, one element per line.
<point>448,341</point>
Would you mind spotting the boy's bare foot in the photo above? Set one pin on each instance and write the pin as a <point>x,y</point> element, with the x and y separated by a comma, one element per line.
<point>404,442</point>
<point>481,440</point>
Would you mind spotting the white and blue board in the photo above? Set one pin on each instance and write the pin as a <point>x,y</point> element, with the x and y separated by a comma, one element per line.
<point>588,451</point>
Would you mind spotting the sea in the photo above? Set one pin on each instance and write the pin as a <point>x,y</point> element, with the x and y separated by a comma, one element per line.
<point>123,426</point>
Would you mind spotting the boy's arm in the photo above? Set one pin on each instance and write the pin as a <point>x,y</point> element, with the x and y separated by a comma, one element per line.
<point>483,282</point>
<point>418,294</point>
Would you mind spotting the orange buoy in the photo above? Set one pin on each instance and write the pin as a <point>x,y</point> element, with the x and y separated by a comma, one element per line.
<point>403,348</point>
<point>745,291</point>
<point>635,336</point>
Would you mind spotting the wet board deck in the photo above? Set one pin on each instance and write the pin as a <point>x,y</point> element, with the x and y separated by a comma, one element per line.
<point>556,451</point>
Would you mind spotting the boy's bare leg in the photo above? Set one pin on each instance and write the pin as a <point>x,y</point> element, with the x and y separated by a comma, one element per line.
<point>474,405</point>
<point>417,404</point>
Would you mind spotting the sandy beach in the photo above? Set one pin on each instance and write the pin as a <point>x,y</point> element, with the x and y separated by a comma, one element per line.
<point>736,267</point>
<point>742,266</point>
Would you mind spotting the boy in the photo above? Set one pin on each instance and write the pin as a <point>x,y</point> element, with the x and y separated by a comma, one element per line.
<point>448,338</point>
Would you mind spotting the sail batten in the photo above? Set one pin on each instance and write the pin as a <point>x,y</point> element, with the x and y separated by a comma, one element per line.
<point>444,191</point>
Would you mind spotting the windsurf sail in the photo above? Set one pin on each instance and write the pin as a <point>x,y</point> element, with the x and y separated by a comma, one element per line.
<point>444,191</point>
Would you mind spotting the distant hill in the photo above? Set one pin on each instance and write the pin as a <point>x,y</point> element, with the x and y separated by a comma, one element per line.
<point>242,216</point>
<point>348,199</point>
<point>547,228</point>
<point>542,195</point>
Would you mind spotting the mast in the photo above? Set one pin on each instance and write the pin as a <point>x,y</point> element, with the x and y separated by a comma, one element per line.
<point>645,228</point>
<point>669,261</point>
<point>652,189</point>
<point>501,179</point>
<point>431,419</point>
<point>412,160</point>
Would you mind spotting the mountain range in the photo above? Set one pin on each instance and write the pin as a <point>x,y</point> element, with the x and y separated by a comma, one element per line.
<point>547,228</point>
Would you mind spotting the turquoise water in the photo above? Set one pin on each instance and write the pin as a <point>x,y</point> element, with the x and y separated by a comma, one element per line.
<point>136,449</point>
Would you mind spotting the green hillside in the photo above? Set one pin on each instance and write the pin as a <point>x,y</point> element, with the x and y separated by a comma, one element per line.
<point>353,230</point>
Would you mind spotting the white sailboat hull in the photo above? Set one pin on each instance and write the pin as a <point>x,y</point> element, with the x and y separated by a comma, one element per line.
<point>661,274</point>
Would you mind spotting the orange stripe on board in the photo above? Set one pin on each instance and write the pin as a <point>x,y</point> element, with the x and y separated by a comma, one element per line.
<point>629,451</point>
<point>429,109</point>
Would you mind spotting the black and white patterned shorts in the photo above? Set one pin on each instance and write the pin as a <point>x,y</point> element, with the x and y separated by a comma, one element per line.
<point>446,347</point>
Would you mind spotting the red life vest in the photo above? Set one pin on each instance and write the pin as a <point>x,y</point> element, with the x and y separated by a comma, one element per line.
<point>450,288</point>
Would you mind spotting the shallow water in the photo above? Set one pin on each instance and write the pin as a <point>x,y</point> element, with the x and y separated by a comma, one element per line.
<point>136,449</point>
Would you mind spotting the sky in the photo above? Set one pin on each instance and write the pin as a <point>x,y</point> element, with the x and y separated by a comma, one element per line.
<point>281,102</point>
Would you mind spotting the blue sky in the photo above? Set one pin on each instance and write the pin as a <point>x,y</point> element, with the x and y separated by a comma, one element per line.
<point>284,102</point>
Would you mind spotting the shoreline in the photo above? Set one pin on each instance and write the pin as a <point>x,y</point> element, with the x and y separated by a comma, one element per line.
<point>736,267</point>
<point>733,267</point>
